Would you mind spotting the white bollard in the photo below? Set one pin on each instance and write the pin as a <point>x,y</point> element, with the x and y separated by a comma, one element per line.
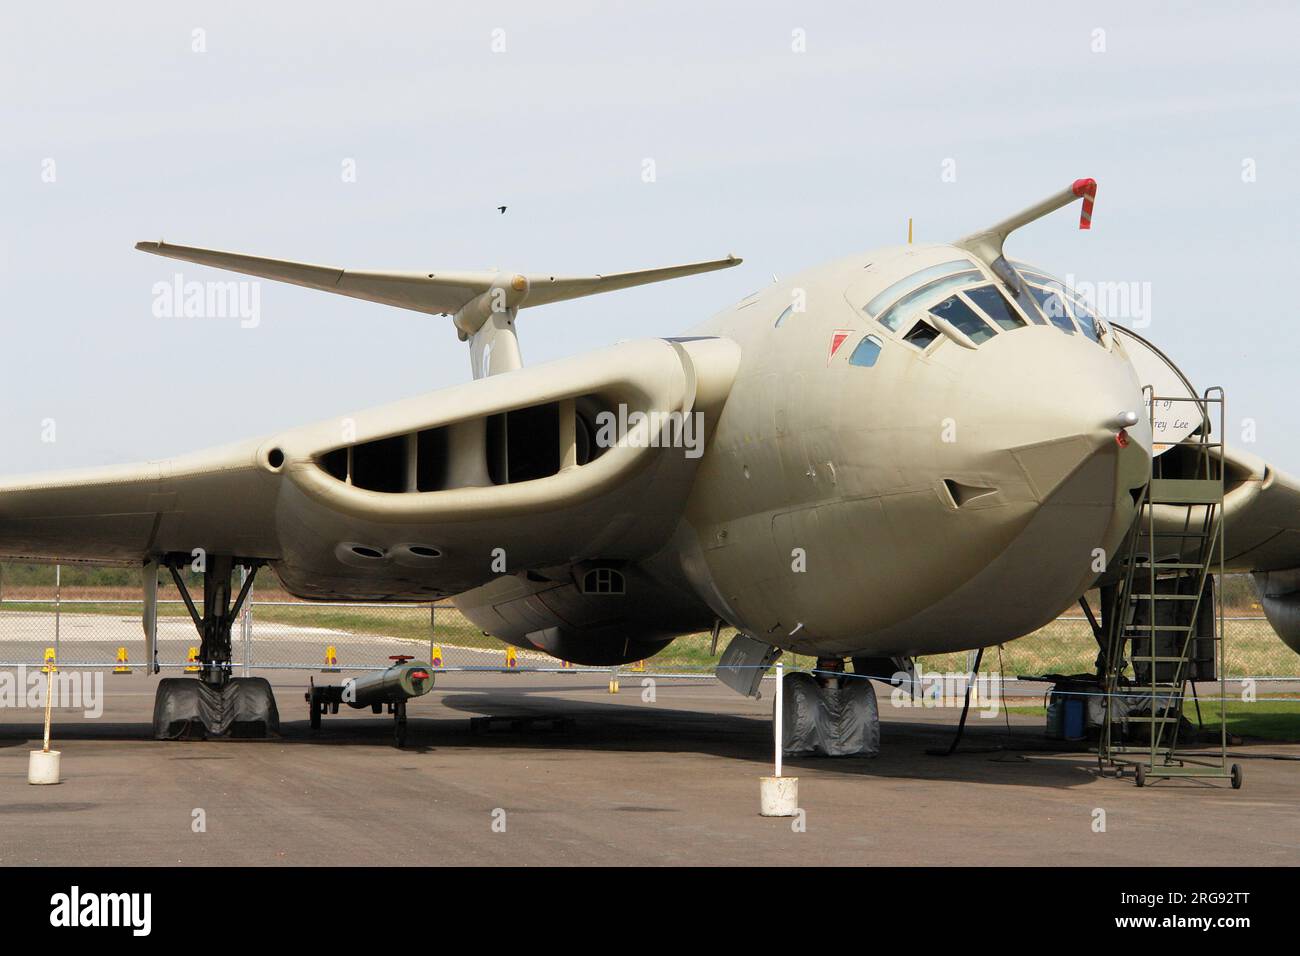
<point>43,766</point>
<point>778,796</point>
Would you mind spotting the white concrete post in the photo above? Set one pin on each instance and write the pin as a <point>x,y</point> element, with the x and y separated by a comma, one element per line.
<point>778,796</point>
<point>780,714</point>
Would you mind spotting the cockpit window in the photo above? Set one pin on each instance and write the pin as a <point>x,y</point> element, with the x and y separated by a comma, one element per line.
<point>922,334</point>
<point>783,316</point>
<point>955,310</point>
<point>1053,295</point>
<point>1034,275</point>
<point>995,305</point>
<point>878,303</point>
<point>1053,307</point>
<point>903,308</point>
<point>867,352</point>
<point>1084,316</point>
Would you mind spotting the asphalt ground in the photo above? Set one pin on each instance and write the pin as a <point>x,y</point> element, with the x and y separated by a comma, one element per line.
<point>622,780</point>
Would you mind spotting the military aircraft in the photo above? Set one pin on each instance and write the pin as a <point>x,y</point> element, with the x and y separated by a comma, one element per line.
<point>915,450</point>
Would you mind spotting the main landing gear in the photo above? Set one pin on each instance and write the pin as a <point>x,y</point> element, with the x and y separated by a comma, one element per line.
<point>217,704</point>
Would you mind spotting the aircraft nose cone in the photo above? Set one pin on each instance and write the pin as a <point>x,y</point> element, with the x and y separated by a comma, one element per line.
<point>1035,479</point>
<point>1052,402</point>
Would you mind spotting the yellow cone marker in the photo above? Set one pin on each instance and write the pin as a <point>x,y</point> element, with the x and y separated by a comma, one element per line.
<point>48,667</point>
<point>123,667</point>
<point>193,658</point>
<point>512,657</point>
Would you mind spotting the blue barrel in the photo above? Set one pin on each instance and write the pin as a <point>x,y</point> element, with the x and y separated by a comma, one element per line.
<point>1074,718</point>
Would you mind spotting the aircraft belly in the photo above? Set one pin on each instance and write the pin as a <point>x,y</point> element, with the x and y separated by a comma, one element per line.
<point>557,617</point>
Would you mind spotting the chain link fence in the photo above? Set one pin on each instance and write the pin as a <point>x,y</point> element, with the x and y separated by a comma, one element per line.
<point>91,617</point>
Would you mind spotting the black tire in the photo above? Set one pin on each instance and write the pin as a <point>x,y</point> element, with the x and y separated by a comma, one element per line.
<point>1140,775</point>
<point>1238,778</point>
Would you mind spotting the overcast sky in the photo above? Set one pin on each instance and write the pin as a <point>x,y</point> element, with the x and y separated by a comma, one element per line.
<point>116,129</point>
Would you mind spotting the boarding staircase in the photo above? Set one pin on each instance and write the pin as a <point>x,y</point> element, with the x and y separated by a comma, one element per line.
<point>1164,622</point>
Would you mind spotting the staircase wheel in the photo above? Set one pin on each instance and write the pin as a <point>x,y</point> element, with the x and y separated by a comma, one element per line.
<point>1140,775</point>
<point>1237,776</point>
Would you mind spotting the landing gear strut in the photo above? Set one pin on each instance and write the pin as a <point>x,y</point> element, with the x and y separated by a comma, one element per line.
<point>217,704</point>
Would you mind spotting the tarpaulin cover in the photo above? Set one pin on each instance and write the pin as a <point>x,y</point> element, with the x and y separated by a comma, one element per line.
<point>188,709</point>
<point>837,722</point>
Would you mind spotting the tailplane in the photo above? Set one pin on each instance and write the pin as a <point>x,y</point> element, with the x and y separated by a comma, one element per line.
<point>482,305</point>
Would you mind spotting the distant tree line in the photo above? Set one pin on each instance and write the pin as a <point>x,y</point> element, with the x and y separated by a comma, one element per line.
<point>17,574</point>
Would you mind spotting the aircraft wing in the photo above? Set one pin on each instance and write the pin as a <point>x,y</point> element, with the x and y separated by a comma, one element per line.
<point>124,514</point>
<point>416,498</point>
<point>1262,535</point>
<point>432,292</point>
<point>1262,514</point>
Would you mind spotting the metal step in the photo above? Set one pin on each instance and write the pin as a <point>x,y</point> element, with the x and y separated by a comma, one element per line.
<point>1185,491</point>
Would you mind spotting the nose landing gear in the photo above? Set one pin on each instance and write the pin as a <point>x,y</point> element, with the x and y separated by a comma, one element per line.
<point>829,713</point>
